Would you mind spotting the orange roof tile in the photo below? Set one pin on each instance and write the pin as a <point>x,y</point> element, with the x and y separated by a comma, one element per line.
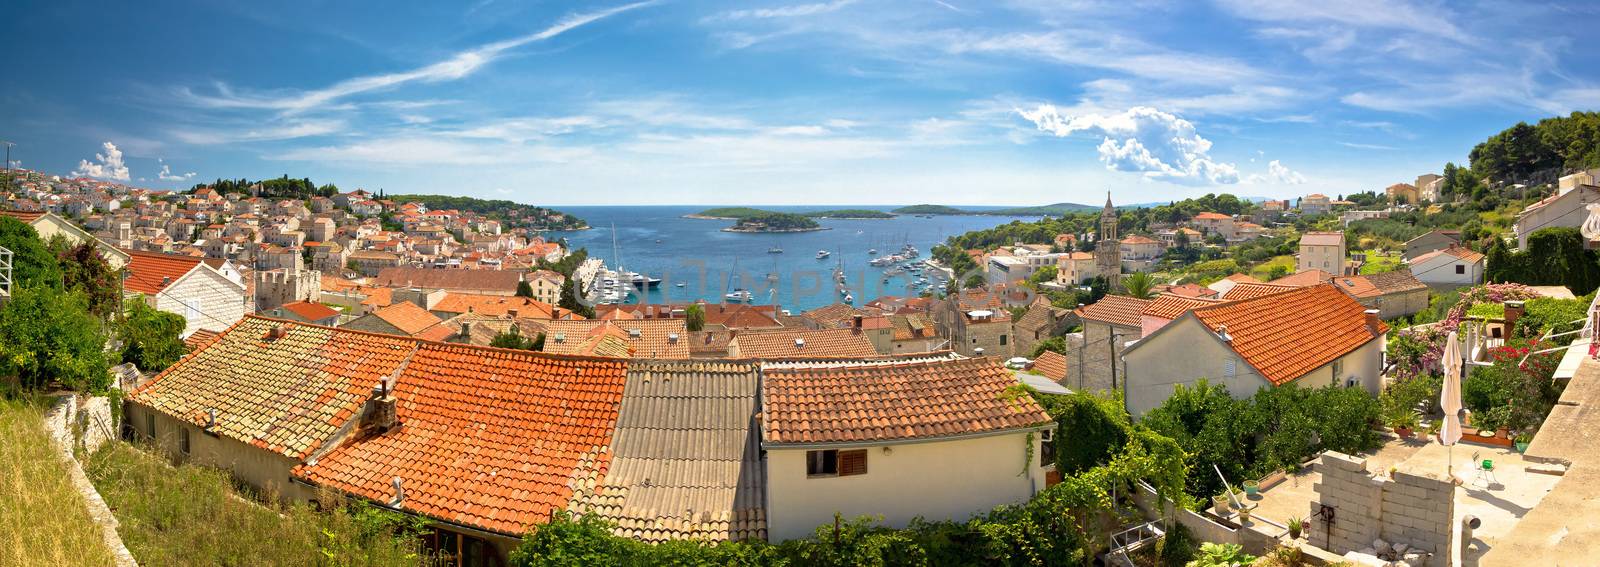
<point>310,311</point>
<point>1169,307</point>
<point>1136,239</point>
<point>1211,216</point>
<point>453,280</point>
<point>1302,279</point>
<point>892,401</point>
<point>657,338</point>
<point>1121,310</point>
<point>286,395</point>
<point>199,338</point>
<point>1052,365</point>
<point>1286,335</point>
<point>489,438</point>
<point>496,305</point>
<point>1252,290</point>
<point>826,343</point>
<point>408,317</point>
<point>1322,239</point>
<point>1191,290</point>
<point>1463,254</point>
<point>151,272</point>
<point>24,216</point>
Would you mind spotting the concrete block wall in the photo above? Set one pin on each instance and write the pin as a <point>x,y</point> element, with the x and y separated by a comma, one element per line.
<point>1410,507</point>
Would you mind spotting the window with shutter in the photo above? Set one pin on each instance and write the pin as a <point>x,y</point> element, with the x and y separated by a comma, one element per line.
<point>822,463</point>
<point>852,462</point>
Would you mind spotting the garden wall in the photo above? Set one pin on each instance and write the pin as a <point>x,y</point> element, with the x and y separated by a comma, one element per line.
<point>1413,508</point>
<point>86,427</point>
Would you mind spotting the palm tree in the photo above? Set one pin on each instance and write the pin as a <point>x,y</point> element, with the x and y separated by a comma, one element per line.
<point>1138,284</point>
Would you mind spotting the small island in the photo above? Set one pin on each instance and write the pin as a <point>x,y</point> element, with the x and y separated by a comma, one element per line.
<point>929,210</point>
<point>850,214</point>
<point>1056,209</point>
<point>769,221</point>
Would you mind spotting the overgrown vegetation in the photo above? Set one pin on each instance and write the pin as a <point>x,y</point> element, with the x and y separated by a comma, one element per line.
<point>48,336</point>
<point>190,515</point>
<point>1276,428</point>
<point>1554,256</point>
<point>510,212</point>
<point>43,520</point>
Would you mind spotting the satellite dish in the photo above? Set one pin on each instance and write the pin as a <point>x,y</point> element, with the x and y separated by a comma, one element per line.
<point>1591,225</point>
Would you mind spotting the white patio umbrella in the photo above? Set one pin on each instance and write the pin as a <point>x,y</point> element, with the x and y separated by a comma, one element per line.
<point>1450,398</point>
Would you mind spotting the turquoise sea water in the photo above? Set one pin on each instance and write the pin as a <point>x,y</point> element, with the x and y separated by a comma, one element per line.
<point>711,262</point>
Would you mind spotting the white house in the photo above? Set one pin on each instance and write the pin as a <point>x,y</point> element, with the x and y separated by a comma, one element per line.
<point>185,285</point>
<point>48,225</point>
<point>945,442</point>
<point>1307,337</point>
<point>1568,207</point>
<point>1321,251</point>
<point>1453,266</point>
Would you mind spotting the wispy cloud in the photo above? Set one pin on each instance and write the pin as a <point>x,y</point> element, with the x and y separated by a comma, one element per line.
<point>106,165</point>
<point>456,67</point>
<point>1366,146</point>
<point>286,131</point>
<point>791,11</point>
<point>1280,173</point>
<point>1142,139</point>
<point>167,174</point>
<point>1385,14</point>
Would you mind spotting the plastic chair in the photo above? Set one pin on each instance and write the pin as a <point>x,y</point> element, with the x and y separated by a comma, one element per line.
<point>1485,472</point>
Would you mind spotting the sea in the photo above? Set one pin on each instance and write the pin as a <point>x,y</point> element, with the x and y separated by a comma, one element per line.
<point>659,242</point>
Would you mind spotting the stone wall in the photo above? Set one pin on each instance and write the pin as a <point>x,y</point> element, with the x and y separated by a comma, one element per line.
<point>75,427</point>
<point>1410,507</point>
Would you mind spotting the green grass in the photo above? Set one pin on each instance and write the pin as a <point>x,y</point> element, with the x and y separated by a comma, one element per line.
<point>43,521</point>
<point>1377,264</point>
<point>192,515</point>
<point>1263,270</point>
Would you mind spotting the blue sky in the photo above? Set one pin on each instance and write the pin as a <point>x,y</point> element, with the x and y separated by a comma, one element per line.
<point>787,102</point>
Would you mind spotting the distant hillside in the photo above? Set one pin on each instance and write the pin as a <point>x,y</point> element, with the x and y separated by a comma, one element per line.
<point>728,213</point>
<point>1057,209</point>
<point>512,213</point>
<point>280,188</point>
<point>929,210</point>
<point>850,214</point>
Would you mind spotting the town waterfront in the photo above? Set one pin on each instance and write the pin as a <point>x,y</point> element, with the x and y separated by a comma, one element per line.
<point>659,242</point>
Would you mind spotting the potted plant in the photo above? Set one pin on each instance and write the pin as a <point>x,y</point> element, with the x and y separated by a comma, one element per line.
<point>1219,504</point>
<point>1252,488</point>
<point>1404,422</point>
<point>1296,527</point>
<point>1522,441</point>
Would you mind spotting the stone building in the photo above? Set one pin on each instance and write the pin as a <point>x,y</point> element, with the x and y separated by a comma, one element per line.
<point>1108,326</point>
<point>1108,250</point>
<point>287,285</point>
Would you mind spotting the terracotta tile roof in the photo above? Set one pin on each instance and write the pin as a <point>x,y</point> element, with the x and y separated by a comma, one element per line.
<point>835,316</point>
<point>906,326</point>
<point>24,216</point>
<point>408,317</point>
<point>1052,365</point>
<point>685,460</point>
<point>1247,290</point>
<point>1136,239</point>
<point>1242,278</point>
<point>453,280</point>
<point>1322,239</point>
<point>656,338</point>
<point>1169,307</point>
<point>310,311</point>
<point>1191,290</point>
<point>883,402</point>
<point>458,303</point>
<point>1211,216</point>
<point>151,272</point>
<point>489,438</point>
<point>286,395</point>
<point>1302,279</point>
<point>1462,254</point>
<point>826,343</point>
<point>1121,310</point>
<point>376,296</point>
<point>1396,281</point>
<point>199,338</point>
<point>709,343</point>
<point>1286,335</point>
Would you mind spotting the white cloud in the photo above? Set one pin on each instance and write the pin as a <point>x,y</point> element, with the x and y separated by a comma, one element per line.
<point>1142,139</point>
<point>1382,14</point>
<point>106,166</point>
<point>793,11</point>
<point>1277,172</point>
<point>167,175</point>
<point>288,131</point>
<point>460,65</point>
<point>1366,146</point>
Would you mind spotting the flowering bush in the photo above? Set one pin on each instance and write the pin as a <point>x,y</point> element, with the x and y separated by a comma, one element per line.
<point>1512,393</point>
<point>1418,350</point>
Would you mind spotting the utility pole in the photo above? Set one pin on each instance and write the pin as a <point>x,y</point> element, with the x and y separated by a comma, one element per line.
<point>1112,346</point>
<point>8,163</point>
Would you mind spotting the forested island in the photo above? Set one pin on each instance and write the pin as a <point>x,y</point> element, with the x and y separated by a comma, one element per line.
<point>517,214</point>
<point>737,213</point>
<point>768,221</point>
<point>1056,209</point>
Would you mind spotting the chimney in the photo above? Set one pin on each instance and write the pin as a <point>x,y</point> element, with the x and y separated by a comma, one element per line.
<point>1514,311</point>
<point>1373,322</point>
<point>512,312</point>
<point>399,493</point>
<point>856,321</point>
<point>799,343</point>
<point>276,332</point>
<point>211,419</point>
<point>379,415</point>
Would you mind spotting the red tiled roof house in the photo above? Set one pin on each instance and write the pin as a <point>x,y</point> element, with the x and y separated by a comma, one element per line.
<point>1306,337</point>
<point>922,438</point>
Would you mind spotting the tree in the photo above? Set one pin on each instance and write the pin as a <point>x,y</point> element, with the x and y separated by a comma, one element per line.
<point>695,317</point>
<point>84,270</point>
<point>524,289</point>
<point>1139,284</point>
<point>1043,274</point>
<point>570,300</point>
<point>150,337</point>
<point>512,338</point>
<point>47,335</point>
<point>32,264</point>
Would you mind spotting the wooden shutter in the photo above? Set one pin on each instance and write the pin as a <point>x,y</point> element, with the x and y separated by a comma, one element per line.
<point>852,462</point>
